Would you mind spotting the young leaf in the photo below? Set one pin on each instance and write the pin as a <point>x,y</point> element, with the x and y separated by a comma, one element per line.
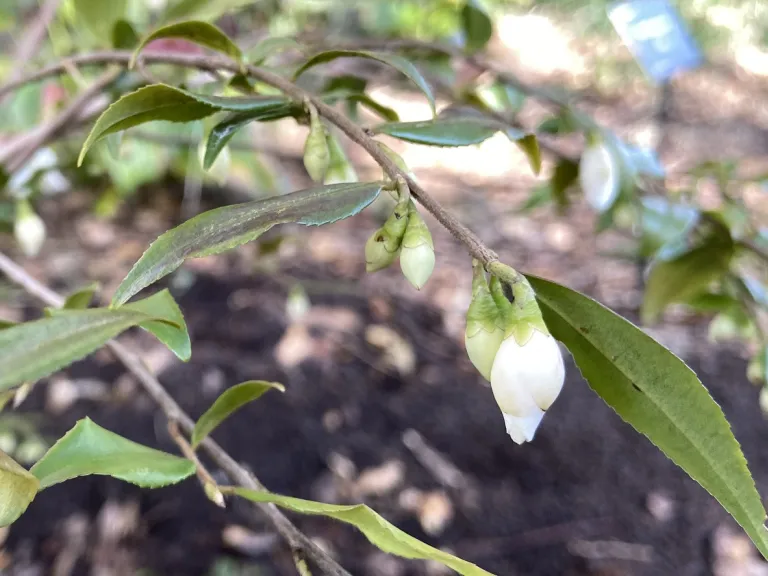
<point>194,31</point>
<point>478,27</point>
<point>683,277</point>
<point>35,349</point>
<point>655,392</point>
<point>224,228</point>
<point>223,132</point>
<point>398,62</point>
<point>172,331</point>
<point>161,102</point>
<point>81,299</point>
<point>19,489</point>
<point>90,449</point>
<point>228,403</point>
<point>529,144</point>
<point>379,532</point>
<point>451,131</point>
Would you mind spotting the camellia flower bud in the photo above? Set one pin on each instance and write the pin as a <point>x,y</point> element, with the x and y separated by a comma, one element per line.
<point>339,168</point>
<point>383,246</point>
<point>484,331</point>
<point>397,159</point>
<point>28,228</point>
<point>417,254</point>
<point>599,174</point>
<point>317,157</point>
<point>528,371</point>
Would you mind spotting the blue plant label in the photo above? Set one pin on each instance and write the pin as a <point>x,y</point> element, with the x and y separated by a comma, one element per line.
<point>657,37</point>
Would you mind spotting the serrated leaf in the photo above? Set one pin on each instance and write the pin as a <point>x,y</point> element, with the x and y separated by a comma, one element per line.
<point>166,103</point>
<point>172,330</point>
<point>19,488</point>
<point>228,403</point>
<point>450,131</point>
<point>529,144</point>
<point>194,31</point>
<point>683,277</point>
<point>124,37</point>
<point>81,299</point>
<point>35,349</point>
<point>223,132</point>
<point>89,449</point>
<point>398,62</point>
<point>565,174</point>
<point>477,26</point>
<point>380,533</point>
<point>99,16</point>
<point>224,228</point>
<point>655,392</point>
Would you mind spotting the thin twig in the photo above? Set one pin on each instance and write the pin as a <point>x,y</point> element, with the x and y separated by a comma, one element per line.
<point>32,37</point>
<point>173,412</point>
<point>210,485</point>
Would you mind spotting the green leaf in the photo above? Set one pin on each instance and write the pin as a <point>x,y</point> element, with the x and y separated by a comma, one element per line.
<point>540,196</point>
<point>223,132</point>
<point>380,533</point>
<point>228,403</point>
<point>172,330</point>
<point>655,392</point>
<point>556,126</point>
<point>683,277</point>
<point>194,31</point>
<point>270,46</point>
<point>202,9</point>
<point>32,350</point>
<point>565,174</point>
<point>224,228</point>
<point>166,103</point>
<point>529,144</point>
<point>90,449</point>
<point>664,222</point>
<point>381,110</point>
<point>478,27</point>
<point>19,489</point>
<point>450,131</point>
<point>81,299</point>
<point>398,62</point>
<point>124,37</point>
<point>100,16</point>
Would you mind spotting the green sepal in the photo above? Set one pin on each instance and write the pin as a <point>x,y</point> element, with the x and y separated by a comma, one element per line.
<point>483,314</point>
<point>416,232</point>
<point>520,316</point>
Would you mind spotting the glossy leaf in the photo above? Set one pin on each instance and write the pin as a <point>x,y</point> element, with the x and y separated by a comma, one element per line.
<point>398,62</point>
<point>380,533</point>
<point>224,228</point>
<point>194,31</point>
<point>223,132</point>
<point>35,349</point>
<point>655,392</point>
<point>228,403</point>
<point>166,103</point>
<point>683,277</point>
<point>81,299</point>
<point>89,449</point>
<point>172,331</point>
<point>450,131</point>
<point>478,27</point>
<point>19,488</point>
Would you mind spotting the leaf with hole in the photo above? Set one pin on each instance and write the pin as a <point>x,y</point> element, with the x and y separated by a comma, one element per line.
<point>228,403</point>
<point>35,349</point>
<point>477,25</point>
<point>655,392</point>
<point>224,228</point>
<point>89,449</point>
<point>169,104</point>
<point>19,489</point>
<point>398,62</point>
<point>194,31</point>
<point>380,533</point>
<point>450,131</point>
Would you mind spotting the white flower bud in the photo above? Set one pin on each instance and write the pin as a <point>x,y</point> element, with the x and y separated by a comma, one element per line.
<point>525,381</point>
<point>43,159</point>
<point>417,264</point>
<point>482,348</point>
<point>29,229</point>
<point>599,175</point>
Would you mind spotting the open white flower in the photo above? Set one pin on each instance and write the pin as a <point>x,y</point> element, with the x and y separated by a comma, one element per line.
<point>526,380</point>
<point>29,229</point>
<point>599,176</point>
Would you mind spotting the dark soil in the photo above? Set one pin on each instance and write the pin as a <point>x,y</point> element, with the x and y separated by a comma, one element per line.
<point>586,477</point>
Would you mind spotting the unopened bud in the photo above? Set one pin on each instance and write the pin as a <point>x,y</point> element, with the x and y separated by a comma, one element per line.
<point>417,253</point>
<point>30,451</point>
<point>484,331</point>
<point>28,228</point>
<point>340,170</point>
<point>214,494</point>
<point>599,174</point>
<point>317,157</point>
<point>397,159</point>
<point>383,246</point>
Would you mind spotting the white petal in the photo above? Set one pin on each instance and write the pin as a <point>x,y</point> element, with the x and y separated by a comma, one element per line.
<point>523,428</point>
<point>599,176</point>
<point>30,234</point>
<point>417,264</point>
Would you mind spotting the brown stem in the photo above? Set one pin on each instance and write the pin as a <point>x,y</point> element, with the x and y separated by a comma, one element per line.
<point>174,413</point>
<point>33,36</point>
